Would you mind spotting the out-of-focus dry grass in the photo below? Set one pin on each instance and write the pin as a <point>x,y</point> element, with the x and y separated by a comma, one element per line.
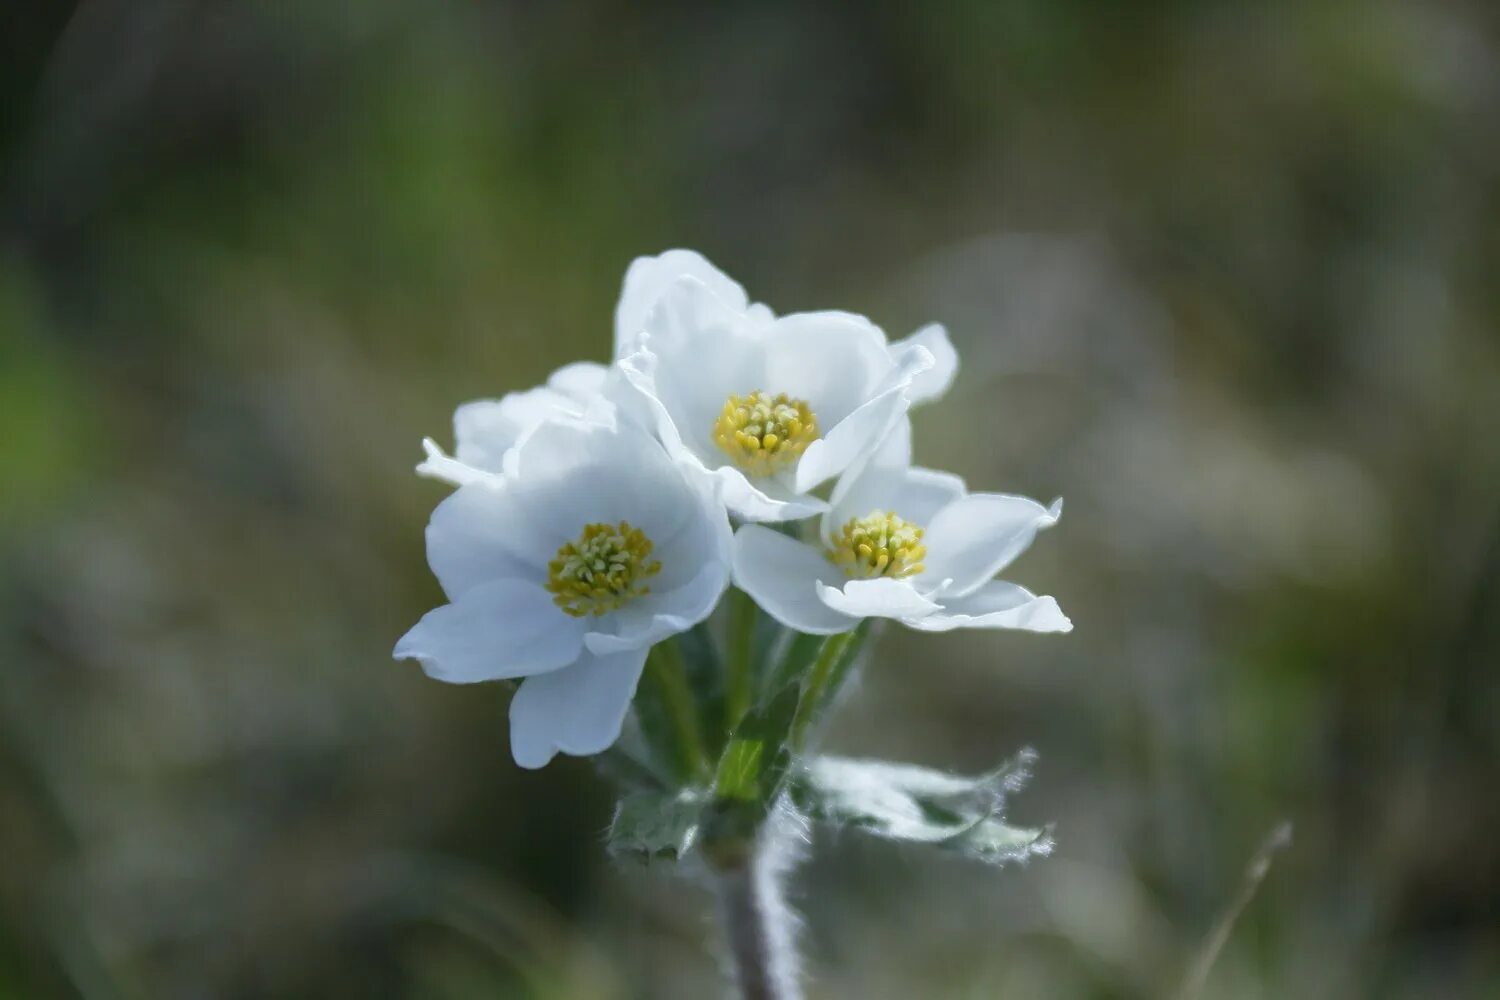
<point>1223,276</point>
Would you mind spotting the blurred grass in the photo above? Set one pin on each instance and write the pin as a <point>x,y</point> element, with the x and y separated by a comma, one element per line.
<point>1221,275</point>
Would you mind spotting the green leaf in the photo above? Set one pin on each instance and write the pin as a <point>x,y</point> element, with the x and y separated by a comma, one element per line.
<point>756,758</point>
<point>921,805</point>
<point>705,673</point>
<point>628,764</point>
<point>789,657</point>
<point>655,825</point>
<point>668,712</point>
<point>750,777</point>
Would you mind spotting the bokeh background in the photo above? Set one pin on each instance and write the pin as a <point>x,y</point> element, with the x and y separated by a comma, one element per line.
<point>1223,275</point>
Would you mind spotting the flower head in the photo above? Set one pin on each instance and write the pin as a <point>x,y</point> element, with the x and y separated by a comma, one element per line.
<point>565,569</point>
<point>768,407</point>
<point>906,543</point>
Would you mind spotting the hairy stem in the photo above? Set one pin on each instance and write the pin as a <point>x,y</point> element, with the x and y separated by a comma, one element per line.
<point>759,925</point>
<point>740,689</point>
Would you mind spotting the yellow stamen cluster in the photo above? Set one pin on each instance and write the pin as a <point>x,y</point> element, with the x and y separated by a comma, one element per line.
<point>764,434</point>
<point>878,544</point>
<point>608,566</point>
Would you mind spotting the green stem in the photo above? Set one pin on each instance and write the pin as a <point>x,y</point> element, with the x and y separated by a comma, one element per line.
<point>665,665</point>
<point>815,687</point>
<point>740,687</point>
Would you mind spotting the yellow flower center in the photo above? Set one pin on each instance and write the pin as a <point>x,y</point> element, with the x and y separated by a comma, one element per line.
<point>878,544</point>
<point>764,434</point>
<point>607,567</point>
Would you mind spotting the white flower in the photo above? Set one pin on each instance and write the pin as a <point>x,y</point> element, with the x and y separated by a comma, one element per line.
<point>648,279</point>
<point>906,543</point>
<point>769,408</point>
<point>486,429</point>
<point>565,570</point>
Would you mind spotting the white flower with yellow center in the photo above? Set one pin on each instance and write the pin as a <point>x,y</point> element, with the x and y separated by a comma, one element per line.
<point>769,408</point>
<point>592,546</point>
<point>906,543</point>
<point>485,430</point>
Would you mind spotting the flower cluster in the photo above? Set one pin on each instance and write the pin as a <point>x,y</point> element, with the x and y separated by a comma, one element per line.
<point>607,511</point>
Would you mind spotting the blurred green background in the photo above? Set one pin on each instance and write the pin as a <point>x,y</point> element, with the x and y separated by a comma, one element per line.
<point>1223,275</point>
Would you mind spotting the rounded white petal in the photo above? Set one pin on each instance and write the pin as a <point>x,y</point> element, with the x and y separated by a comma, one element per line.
<point>580,379</point>
<point>485,430</point>
<point>859,435</point>
<point>578,710</point>
<point>566,474</point>
<point>694,355</point>
<point>650,619</point>
<point>504,628</point>
<point>881,598</point>
<point>935,381</point>
<point>647,279</point>
<point>639,371</point>
<point>835,360</point>
<point>763,500</point>
<point>997,604</point>
<point>481,533</point>
<point>894,452</point>
<point>977,536</point>
<point>760,315</point>
<point>694,385</point>
<point>783,576</point>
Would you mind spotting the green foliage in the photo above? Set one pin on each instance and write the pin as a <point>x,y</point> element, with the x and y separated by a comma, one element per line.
<point>920,805</point>
<point>705,676</point>
<point>655,825</point>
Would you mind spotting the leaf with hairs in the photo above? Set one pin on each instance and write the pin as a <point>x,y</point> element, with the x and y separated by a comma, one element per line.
<point>914,804</point>
<point>655,825</point>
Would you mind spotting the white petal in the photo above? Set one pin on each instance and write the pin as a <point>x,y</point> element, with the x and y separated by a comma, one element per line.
<point>581,379</point>
<point>486,429</point>
<point>858,435</point>
<point>894,452</point>
<point>764,499</point>
<point>578,710</point>
<point>694,354</point>
<point>977,536</point>
<point>647,280</point>
<point>783,576</point>
<point>481,533</point>
<point>505,628</point>
<point>997,604</point>
<point>760,315</point>
<point>834,360</point>
<point>935,381</point>
<point>883,598</point>
<point>439,465</point>
<point>650,619</point>
<point>567,474</point>
<point>639,370</point>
